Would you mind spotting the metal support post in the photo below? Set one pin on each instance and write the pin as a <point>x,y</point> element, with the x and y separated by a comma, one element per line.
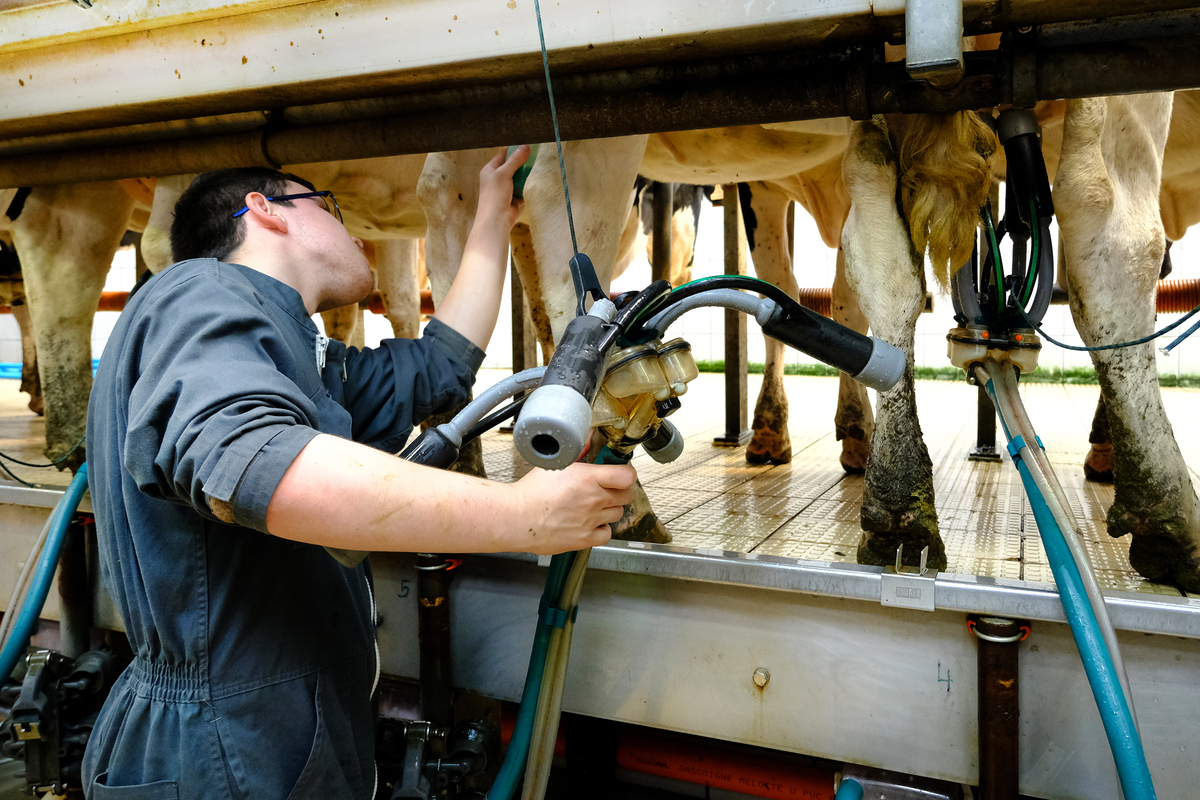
<point>999,705</point>
<point>74,590</point>
<point>737,431</point>
<point>664,208</point>
<point>985,431</point>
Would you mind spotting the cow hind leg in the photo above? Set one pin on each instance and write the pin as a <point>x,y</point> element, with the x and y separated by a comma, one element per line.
<point>31,383</point>
<point>887,275</point>
<point>67,237</point>
<point>854,419</point>
<point>764,215</point>
<point>1098,465</point>
<point>1107,198</point>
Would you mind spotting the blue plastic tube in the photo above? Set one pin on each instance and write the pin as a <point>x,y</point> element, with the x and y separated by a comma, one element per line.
<point>1123,739</point>
<point>849,789</point>
<point>505,785</point>
<point>29,611</point>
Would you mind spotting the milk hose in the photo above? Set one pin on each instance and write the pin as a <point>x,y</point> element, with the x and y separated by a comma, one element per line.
<point>27,615</point>
<point>1132,768</point>
<point>849,789</point>
<point>518,746</point>
<point>1015,416</point>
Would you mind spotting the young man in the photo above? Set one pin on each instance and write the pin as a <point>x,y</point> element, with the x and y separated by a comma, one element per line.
<point>221,461</point>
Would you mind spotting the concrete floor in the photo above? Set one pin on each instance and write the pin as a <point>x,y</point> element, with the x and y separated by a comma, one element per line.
<point>710,498</point>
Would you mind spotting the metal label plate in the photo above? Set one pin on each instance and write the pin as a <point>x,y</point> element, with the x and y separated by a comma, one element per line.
<point>906,591</point>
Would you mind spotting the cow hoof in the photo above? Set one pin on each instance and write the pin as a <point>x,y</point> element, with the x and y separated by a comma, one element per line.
<point>1160,559</point>
<point>1098,466</point>
<point>647,528</point>
<point>1165,545</point>
<point>769,447</point>
<point>854,456</point>
<point>36,406</point>
<point>886,529</point>
<point>879,549</point>
<point>767,455</point>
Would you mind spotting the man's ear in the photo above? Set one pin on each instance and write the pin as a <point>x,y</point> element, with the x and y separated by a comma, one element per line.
<point>261,213</point>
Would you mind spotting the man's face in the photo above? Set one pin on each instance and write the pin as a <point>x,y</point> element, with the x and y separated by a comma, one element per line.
<point>343,269</point>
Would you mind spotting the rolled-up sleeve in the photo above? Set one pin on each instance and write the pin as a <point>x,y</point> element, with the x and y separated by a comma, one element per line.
<point>212,410</point>
<point>391,388</point>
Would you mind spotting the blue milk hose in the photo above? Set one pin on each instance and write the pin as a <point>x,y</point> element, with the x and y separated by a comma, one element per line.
<point>849,789</point>
<point>60,518</point>
<point>1123,738</point>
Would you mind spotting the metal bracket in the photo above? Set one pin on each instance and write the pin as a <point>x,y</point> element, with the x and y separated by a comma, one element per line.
<point>933,31</point>
<point>907,589</point>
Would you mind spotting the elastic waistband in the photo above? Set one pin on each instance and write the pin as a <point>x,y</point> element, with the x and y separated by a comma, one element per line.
<point>168,682</point>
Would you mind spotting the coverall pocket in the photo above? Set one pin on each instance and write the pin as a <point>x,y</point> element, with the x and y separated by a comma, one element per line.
<point>159,790</point>
<point>322,777</point>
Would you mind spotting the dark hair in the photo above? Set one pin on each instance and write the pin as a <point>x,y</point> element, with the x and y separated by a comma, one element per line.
<point>204,226</point>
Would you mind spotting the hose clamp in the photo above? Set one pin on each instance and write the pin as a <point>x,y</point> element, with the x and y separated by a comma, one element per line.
<point>1024,629</point>
<point>556,617</point>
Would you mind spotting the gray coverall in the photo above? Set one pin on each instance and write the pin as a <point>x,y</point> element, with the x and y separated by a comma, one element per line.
<point>255,656</point>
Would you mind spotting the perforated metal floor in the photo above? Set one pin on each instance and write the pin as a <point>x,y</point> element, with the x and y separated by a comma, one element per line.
<point>711,499</point>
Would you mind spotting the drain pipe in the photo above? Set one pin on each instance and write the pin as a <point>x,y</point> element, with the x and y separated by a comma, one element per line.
<point>999,705</point>
<point>433,636</point>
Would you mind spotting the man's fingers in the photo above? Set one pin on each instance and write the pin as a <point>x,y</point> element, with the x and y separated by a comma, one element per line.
<point>499,158</point>
<point>507,168</point>
<point>602,535</point>
<point>616,476</point>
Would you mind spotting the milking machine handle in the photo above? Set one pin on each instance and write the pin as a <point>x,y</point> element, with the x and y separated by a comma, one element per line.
<point>583,275</point>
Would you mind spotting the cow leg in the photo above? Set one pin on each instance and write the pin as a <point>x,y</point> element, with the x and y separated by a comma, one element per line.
<point>67,237</point>
<point>448,191</point>
<point>764,216</point>
<point>602,174</point>
<point>155,248</point>
<point>887,275</point>
<point>1098,465</point>
<point>31,382</point>
<point>399,284</point>
<point>346,325</point>
<point>1107,197</point>
<point>854,420</point>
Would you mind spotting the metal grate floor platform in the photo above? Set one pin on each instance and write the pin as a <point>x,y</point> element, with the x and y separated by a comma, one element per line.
<point>710,499</point>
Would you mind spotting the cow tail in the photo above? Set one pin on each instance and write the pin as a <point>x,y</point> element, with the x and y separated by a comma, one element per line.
<point>945,172</point>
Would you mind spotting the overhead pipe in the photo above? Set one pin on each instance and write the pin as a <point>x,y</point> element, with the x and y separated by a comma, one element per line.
<point>127,134</point>
<point>738,90</point>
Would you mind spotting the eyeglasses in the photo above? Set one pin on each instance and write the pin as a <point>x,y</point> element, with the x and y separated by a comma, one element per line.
<point>326,197</point>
